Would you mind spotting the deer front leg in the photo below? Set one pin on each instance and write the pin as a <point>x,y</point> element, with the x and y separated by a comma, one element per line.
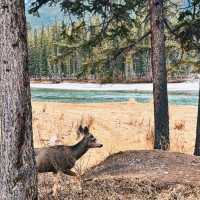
<point>57,187</point>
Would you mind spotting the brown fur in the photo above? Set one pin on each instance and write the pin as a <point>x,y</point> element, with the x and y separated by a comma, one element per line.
<point>53,159</point>
<point>63,158</point>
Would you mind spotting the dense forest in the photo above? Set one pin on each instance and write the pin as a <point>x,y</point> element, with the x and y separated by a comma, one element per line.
<point>64,51</point>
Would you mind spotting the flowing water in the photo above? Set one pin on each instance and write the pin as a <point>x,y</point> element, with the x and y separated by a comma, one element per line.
<point>74,96</point>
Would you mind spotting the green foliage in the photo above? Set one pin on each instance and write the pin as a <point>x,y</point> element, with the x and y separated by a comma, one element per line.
<point>188,27</point>
<point>59,51</point>
<point>100,40</point>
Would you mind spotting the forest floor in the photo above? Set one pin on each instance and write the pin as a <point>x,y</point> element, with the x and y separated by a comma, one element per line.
<point>131,175</point>
<point>139,174</point>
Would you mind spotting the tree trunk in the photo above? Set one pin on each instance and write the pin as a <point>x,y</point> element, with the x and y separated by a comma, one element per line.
<point>197,142</point>
<point>158,62</point>
<point>18,178</point>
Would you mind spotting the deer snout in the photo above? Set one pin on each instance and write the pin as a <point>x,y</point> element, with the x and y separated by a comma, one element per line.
<point>99,145</point>
<point>96,145</point>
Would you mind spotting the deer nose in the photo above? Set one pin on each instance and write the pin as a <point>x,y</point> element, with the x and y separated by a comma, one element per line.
<point>101,145</point>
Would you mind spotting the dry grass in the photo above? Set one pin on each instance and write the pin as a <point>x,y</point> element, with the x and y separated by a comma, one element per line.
<point>120,189</point>
<point>179,125</point>
<point>120,127</point>
<point>150,136</point>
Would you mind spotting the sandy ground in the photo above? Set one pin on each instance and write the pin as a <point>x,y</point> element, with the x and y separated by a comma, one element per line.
<point>119,126</point>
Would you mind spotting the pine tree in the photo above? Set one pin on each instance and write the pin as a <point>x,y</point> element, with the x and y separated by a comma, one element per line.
<point>18,178</point>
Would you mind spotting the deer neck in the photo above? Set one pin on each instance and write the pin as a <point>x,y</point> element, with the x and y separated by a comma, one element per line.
<point>79,149</point>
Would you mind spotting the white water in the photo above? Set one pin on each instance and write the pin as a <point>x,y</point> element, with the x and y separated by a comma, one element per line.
<point>186,86</point>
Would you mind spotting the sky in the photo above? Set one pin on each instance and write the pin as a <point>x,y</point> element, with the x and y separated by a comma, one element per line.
<point>48,15</point>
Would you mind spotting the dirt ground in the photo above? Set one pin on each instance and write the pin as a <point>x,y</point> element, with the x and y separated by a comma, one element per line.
<point>138,174</point>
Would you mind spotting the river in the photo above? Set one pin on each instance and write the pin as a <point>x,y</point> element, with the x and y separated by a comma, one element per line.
<point>179,93</point>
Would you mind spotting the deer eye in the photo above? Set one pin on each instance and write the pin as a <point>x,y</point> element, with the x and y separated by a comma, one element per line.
<point>92,138</point>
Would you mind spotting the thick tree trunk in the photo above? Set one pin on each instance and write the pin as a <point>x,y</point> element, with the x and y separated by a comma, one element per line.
<point>197,142</point>
<point>158,62</point>
<point>18,179</point>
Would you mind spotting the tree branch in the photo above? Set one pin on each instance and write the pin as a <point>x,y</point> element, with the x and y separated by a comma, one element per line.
<point>35,6</point>
<point>173,31</point>
<point>130,46</point>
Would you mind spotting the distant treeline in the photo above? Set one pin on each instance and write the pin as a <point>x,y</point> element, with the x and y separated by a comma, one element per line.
<point>56,54</point>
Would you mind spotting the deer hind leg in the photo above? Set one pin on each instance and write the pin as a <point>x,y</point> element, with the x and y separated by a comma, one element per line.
<point>57,184</point>
<point>71,173</point>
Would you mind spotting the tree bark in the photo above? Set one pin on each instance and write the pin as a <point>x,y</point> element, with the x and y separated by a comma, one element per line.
<point>197,142</point>
<point>161,116</point>
<point>18,178</point>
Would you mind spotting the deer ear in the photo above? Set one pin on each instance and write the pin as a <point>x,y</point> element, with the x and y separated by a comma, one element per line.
<point>86,130</point>
<point>80,129</point>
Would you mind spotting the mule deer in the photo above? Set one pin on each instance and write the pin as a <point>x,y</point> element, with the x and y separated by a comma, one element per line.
<point>61,158</point>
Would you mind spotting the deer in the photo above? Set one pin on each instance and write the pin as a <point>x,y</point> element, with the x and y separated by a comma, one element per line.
<point>62,158</point>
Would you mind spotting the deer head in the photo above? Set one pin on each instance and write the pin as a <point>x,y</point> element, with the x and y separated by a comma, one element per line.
<point>88,137</point>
